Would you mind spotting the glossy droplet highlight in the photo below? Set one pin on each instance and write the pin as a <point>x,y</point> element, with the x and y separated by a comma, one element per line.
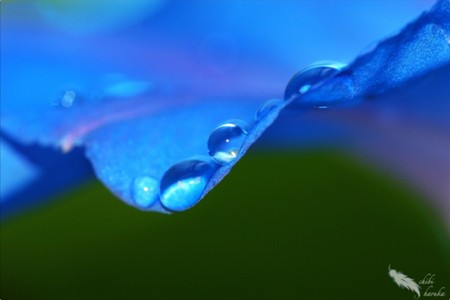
<point>225,141</point>
<point>145,191</point>
<point>266,108</point>
<point>311,77</point>
<point>183,184</point>
<point>68,99</point>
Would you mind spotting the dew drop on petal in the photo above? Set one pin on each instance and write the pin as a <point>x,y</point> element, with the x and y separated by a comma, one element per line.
<point>266,108</point>
<point>225,141</point>
<point>311,76</point>
<point>145,191</point>
<point>68,99</point>
<point>183,184</point>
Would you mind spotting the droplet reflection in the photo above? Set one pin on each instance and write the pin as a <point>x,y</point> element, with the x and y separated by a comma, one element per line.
<point>310,77</point>
<point>225,141</point>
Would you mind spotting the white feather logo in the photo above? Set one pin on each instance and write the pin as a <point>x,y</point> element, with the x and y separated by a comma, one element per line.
<point>404,281</point>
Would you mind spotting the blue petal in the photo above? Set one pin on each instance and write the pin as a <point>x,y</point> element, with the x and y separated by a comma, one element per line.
<point>144,101</point>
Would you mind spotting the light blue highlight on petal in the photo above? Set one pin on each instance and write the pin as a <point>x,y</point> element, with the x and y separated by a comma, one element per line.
<point>119,85</point>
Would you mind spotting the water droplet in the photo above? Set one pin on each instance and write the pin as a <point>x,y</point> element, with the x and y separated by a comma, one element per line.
<point>266,108</point>
<point>145,191</point>
<point>225,141</point>
<point>68,98</point>
<point>311,76</point>
<point>183,184</point>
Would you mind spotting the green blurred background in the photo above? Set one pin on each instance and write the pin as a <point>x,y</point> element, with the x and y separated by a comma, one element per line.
<point>303,225</point>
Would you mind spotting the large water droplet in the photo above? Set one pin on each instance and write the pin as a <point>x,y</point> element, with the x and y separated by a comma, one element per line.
<point>225,141</point>
<point>311,76</point>
<point>266,108</point>
<point>183,184</point>
<point>145,191</point>
<point>68,99</point>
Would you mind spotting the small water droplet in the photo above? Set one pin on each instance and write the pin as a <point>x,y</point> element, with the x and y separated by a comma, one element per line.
<point>183,184</point>
<point>68,98</point>
<point>266,108</point>
<point>145,191</point>
<point>310,77</point>
<point>225,141</point>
